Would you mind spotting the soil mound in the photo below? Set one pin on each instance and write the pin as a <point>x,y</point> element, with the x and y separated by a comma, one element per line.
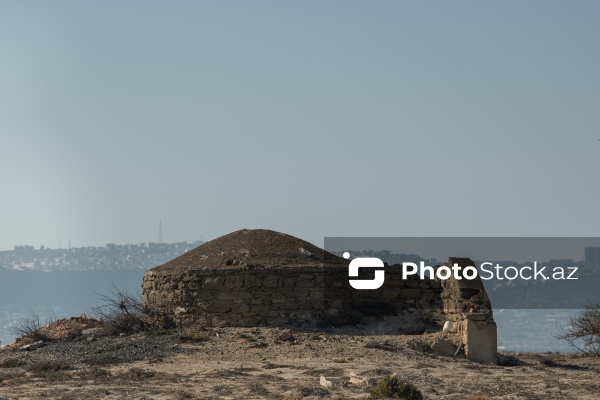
<point>66,328</point>
<point>252,248</point>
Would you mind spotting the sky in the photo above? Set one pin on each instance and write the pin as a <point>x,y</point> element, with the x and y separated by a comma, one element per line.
<point>313,118</point>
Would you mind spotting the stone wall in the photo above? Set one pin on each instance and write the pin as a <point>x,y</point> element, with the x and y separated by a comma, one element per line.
<point>249,297</point>
<point>237,297</point>
<point>468,308</point>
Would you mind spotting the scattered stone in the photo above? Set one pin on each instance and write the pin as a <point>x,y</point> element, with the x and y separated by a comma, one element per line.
<point>90,331</point>
<point>326,383</point>
<point>357,380</point>
<point>34,346</point>
<point>449,327</point>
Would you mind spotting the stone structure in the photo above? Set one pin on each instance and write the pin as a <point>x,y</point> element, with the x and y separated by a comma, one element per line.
<point>469,311</point>
<point>262,277</point>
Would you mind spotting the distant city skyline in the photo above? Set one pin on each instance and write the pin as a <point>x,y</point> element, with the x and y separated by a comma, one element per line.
<point>317,119</point>
<point>109,257</point>
<point>69,243</point>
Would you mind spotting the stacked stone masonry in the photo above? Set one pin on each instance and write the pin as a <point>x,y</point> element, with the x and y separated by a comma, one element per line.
<point>249,297</point>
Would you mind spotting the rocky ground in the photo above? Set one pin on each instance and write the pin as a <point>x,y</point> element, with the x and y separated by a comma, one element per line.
<point>278,363</point>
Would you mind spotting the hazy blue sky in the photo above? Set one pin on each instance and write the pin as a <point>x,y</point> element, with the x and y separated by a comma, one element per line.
<point>315,118</point>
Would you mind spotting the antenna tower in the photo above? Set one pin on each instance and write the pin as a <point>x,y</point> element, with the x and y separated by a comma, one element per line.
<point>160,239</point>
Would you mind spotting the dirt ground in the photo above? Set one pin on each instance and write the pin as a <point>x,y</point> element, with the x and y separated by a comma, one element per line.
<point>277,363</point>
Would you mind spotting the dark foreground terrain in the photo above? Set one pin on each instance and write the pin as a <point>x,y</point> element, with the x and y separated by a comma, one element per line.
<point>276,363</point>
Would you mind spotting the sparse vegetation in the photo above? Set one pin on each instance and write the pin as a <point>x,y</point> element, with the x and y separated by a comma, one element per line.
<point>121,311</point>
<point>161,366</point>
<point>583,331</point>
<point>258,389</point>
<point>10,376</point>
<point>193,335</point>
<point>12,363</point>
<point>30,326</point>
<point>94,373</point>
<point>137,374</point>
<point>50,366</point>
<point>103,359</point>
<point>395,388</point>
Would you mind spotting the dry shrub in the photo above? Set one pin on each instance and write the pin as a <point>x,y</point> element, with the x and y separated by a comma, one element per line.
<point>258,389</point>
<point>583,332</point>
<point>122,312</point>
<point>103,359</point>
<point>12,378</point>
<point>50,366</point>
<point>395,388</point>
<point>194,335</point>
<point>139,374</point>
<point>12,363</point>
<point>95,374</point>
<point>30,325</point>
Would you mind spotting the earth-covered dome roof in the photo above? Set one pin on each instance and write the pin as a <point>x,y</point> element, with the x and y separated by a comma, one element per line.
<point>252,248</point>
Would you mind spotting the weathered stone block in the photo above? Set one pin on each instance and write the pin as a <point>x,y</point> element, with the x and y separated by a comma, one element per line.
<point>298,293</point>
<point>212,282</point>
<point>240,308</point>
<point>390,294</point>
<point>396,283</point>
<point>481,342</point>
<point>205,295</point>
<point>412,283</point>
<point>305,283</point>
<point>270,281</point>
<point>251,281</point>
<point>234,282</point>
<point>225,295</point>
<point>242,295</point>
<point>409,293</point>
<point>219,307</point>
<point>288,282</point>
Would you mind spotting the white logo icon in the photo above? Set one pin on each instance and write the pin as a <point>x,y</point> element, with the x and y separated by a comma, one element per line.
<point>365,262</point>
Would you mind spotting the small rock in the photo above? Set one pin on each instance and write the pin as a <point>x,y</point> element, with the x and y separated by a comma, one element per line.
<point>449,327</point>
<point>179,310</point>
<point>90,331</point>
<point>357,380</point>
<point>33,346</point>
<point>305,252</point>
<point>325,382</point>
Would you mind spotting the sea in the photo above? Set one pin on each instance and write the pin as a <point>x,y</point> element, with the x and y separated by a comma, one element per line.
<point>67,294</point>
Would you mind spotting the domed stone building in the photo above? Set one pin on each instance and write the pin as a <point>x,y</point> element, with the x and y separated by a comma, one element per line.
<point>263,277</point>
